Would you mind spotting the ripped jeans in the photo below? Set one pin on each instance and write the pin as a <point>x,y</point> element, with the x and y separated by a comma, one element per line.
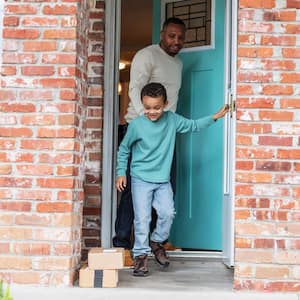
<point>146,195</point>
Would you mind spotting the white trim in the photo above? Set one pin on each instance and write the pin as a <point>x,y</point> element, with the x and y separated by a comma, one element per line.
<point>229,130</point>
<point>1,33</point>
<point>212,29</point>
<point>111,62</point>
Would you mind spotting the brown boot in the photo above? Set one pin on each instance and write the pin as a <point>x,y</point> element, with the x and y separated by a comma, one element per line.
<point>160,254</point>
<point>141,266</point>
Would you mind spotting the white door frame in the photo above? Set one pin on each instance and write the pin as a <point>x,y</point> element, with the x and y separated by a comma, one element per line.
<point>110,121</point>
<point>110,118</point>
<point>229,133</point>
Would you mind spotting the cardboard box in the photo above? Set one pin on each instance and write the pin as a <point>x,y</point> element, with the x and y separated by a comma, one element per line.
<point>97,278</point>
<point>106,259</point>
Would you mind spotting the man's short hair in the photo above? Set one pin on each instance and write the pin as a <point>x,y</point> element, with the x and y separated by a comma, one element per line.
<point>173,20</point>
<point>154,90</point>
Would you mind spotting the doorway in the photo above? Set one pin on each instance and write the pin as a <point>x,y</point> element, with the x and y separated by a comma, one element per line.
<point>128,47</point>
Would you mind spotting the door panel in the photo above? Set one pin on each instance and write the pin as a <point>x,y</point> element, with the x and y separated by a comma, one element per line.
<point>199,190</point>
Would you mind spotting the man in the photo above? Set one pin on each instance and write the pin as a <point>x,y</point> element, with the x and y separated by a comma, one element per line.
<point>155,63</point>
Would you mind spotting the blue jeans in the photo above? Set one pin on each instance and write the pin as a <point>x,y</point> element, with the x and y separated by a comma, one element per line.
<point>146,195</point>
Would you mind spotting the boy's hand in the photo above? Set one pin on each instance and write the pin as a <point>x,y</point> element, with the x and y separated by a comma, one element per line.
<point>221,113</point>
<point>121,183</point>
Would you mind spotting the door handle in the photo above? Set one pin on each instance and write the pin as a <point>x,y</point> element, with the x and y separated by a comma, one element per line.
<point>232,105</point>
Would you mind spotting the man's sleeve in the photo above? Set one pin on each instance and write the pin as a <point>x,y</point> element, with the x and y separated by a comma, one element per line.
<point>140,74</point>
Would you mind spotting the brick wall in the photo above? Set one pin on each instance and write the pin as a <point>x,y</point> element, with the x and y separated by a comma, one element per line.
<point>267,168</point>
<point>41,144</point>
<point>93,33</point>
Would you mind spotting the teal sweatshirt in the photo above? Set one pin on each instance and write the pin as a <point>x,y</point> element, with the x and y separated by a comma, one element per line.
<point>152,145</point>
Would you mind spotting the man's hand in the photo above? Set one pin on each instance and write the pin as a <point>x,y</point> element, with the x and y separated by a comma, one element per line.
<point>221,113</point>
<point>121,183</point>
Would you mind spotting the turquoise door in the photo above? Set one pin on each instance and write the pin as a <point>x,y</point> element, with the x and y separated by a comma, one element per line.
<point>199,189</point>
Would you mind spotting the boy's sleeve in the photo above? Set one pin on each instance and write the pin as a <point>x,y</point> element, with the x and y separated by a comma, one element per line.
<point>185,125</point>
<point>124,151</point>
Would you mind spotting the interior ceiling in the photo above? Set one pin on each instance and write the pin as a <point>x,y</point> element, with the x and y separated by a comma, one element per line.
<point>136,27</point>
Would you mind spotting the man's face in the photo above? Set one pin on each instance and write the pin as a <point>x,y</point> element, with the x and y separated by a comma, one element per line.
<point>172,38</point>
<point>153,107</point>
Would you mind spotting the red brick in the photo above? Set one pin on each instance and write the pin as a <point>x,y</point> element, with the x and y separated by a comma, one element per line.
<point>68,120</point>
<point>7,94</point>
<point>278,90</point>
<point>35,120</point>
<point>275,141</point>
<point>291,52</point>
<point>36,144</point>
<point>11,21</point>
<point>261,77</point>
<point>273,166</point>
<point>35,170</point>
<point>292,28</point>
<point>15,263</point>
<point>15,206</point>
<point>290,103</point>
<point>253,177</point>
<point>55,182</point>
<point>7,144</point>
<point>290,78</point>
<point>63,249</point>
<point>14,33</point>
<point>17,107</point>
<point>59,58</point>
<point>33,220</point>
<point>280,15</point>
<point>36,95</point>
<point>19,58</point>
<point>8,71</point>
<point>15,182</point>
<point>31,248</point>
<point>33,194</point>
<point>257,3</point>
<point>65,195</point>
<point>67,95</point>
<point>39,21</point>
<point>293,4</point>
<point>61,9</point>
<point>254,153</point>
<point>255,52</point>
<point>279,65</point>
<point>16,132</point>
<point>58,82</point>
<point>254,128</point>
<point>20,9</point>
<point>288,153</point>
<point>272,272</point>
<point>66,71</point>
<point>68,34</point>
<point>67,171</point>
<point>242,214</point>
<point>278,40</point>
<point>15,233</point>
<point>36,46</point>
<point>57,133</point>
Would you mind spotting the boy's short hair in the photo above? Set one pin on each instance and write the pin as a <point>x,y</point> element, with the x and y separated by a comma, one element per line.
<point>173,20</point>
<point>155,90</point>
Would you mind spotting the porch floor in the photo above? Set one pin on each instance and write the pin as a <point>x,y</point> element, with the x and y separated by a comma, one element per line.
<point>185,279</point>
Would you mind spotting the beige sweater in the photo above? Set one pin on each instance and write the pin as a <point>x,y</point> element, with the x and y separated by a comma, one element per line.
<point>153,64</point>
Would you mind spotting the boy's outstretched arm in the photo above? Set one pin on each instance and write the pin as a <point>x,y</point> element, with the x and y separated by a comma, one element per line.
<point>221,113</point>
<point>121,183</point>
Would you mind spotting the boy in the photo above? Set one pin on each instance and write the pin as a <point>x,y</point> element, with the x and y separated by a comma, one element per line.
<point>151,139</point>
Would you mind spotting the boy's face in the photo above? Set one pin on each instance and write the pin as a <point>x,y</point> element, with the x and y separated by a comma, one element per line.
<point>154,107</point>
